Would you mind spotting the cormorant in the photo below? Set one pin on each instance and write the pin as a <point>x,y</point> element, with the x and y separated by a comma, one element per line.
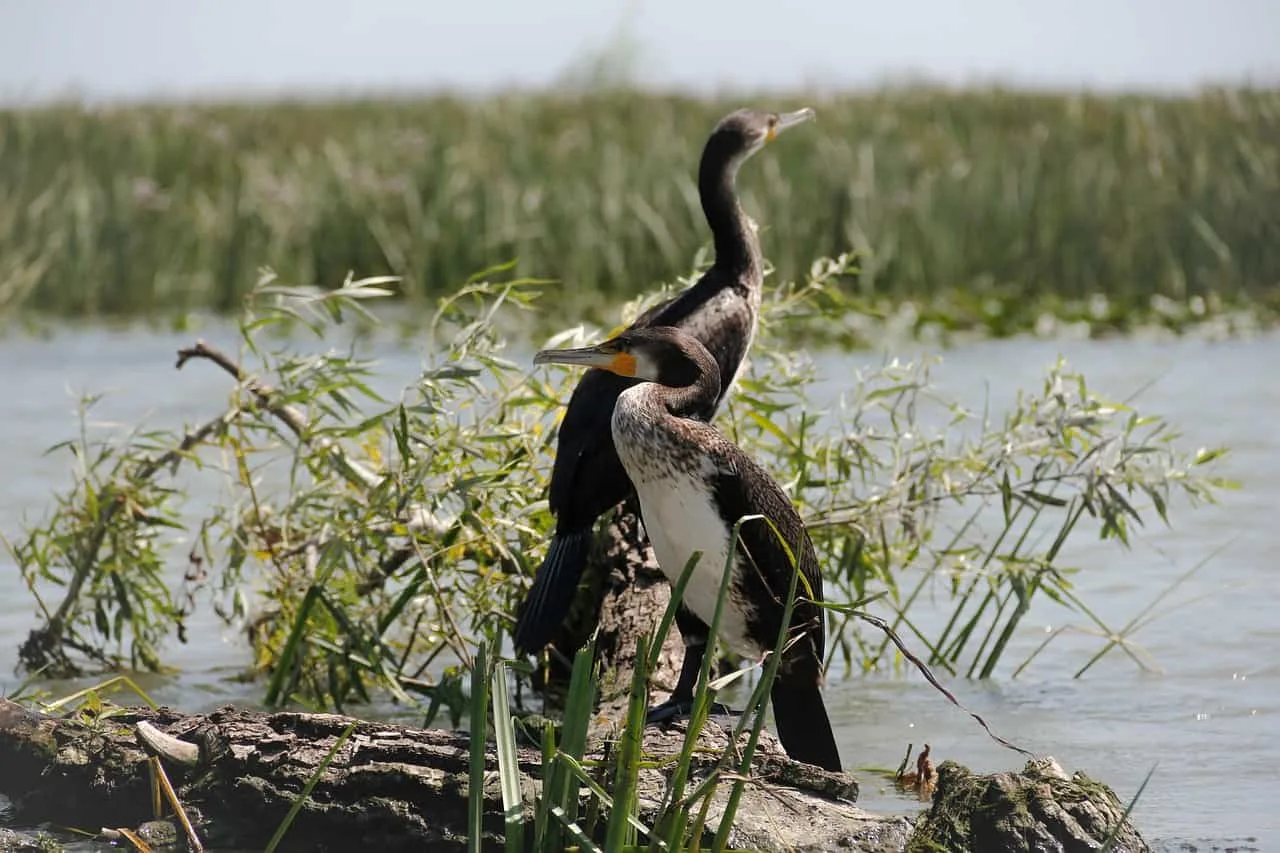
<point>694,484</point>
<point>720,310</point>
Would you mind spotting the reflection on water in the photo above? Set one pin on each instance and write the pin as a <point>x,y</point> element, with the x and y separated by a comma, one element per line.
<point>1210,723</point>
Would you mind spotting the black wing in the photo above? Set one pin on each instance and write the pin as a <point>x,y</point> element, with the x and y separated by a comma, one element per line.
<point>743,488</point>
<point>588,478</point>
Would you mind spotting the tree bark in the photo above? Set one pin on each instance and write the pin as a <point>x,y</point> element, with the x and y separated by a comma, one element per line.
<point>388,787</point>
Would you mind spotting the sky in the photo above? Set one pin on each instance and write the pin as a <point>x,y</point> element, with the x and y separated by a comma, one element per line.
<point>145,49</point>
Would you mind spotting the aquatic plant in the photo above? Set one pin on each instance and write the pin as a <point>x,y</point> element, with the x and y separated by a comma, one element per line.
<point>367,545</point>
<point>989,209</point>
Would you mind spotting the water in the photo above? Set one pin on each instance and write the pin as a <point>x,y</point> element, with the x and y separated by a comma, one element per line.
<point>1209,723</point>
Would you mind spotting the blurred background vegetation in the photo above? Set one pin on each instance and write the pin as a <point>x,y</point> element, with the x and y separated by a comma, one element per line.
<point>985,208</point>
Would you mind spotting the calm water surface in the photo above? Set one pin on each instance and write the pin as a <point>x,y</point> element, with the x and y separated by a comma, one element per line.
<point>1209,722</point>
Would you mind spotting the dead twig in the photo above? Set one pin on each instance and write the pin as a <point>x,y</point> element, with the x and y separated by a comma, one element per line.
<point>352,471</point>
<point>416,517</point>
<point>193,841</point>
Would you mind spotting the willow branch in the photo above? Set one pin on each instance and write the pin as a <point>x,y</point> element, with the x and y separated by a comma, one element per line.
<point>416,517</point>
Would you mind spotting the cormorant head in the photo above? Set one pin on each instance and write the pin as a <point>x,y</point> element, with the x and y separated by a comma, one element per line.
<point>742,133</point>
<point>661,354</point>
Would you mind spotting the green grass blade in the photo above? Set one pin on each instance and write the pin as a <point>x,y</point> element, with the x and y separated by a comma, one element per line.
<point>289,663</point>
<point>585,843</point>
<point>669,615</point>
<point>307,789</point>
<point>620,832</point>
<point>508,762</point>
<point>761,691</point>
<point>479,727</point>
<point>550,770</point>
<point>675,816</point>
<point>1110,843</point>
<point>560,787</point>
<point>599,793</point>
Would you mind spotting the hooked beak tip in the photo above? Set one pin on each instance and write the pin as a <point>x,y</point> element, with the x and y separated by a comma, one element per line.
<point>787,120</point>
<point>588,356</point>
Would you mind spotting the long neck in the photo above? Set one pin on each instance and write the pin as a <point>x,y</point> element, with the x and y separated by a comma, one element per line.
<point>691,401</point>
<point>737,249</point>
<point>653,425</point>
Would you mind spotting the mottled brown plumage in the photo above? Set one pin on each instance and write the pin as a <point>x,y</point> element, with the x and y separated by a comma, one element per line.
<point>694,485</point>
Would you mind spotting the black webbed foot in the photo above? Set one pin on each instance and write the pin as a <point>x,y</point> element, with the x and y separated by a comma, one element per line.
<point>680,703</point>
<point>674,709</point>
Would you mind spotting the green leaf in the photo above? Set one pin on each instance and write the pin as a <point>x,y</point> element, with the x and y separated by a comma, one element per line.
<point>508,762</point>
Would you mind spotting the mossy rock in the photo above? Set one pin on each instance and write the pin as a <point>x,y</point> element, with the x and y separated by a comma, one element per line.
<point>1040,809</point>
<point>12,841</point>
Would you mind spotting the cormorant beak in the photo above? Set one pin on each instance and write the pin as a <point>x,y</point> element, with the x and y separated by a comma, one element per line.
<point>621,363</point>
<point>786,120</point>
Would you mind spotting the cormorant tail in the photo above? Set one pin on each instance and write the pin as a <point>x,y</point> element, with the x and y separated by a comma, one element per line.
<point>548,601</point>
<point>801,718</point>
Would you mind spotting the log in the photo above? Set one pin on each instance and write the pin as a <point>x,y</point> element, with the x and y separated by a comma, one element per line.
<point>389,787</point>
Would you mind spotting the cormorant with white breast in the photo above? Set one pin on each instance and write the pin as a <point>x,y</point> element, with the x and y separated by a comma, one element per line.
<point>720,310</point>
<point>694,484</point>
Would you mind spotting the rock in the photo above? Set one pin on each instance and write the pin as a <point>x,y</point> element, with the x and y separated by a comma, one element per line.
<point>1040,809</point>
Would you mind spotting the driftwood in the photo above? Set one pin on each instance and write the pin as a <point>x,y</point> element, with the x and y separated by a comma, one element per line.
<point>389,787</point>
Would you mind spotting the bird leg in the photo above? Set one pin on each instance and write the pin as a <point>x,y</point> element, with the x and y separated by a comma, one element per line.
<point>680,702</point>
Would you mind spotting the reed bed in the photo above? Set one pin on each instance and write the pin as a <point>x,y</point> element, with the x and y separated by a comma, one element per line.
<point>987,205</point>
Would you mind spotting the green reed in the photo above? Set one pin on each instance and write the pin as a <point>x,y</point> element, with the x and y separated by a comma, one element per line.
<point>564,776</point>
<point>983,207</point>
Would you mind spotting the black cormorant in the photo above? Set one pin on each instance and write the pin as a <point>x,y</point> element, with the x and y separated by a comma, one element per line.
<point>694,484</point>
<point>720,310</point>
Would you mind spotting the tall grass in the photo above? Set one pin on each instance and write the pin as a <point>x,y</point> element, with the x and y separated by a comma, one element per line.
<point>563,773</point>
<point>995,203</point>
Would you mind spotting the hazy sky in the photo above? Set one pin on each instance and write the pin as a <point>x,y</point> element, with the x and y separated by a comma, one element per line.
<point>140,48</point>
